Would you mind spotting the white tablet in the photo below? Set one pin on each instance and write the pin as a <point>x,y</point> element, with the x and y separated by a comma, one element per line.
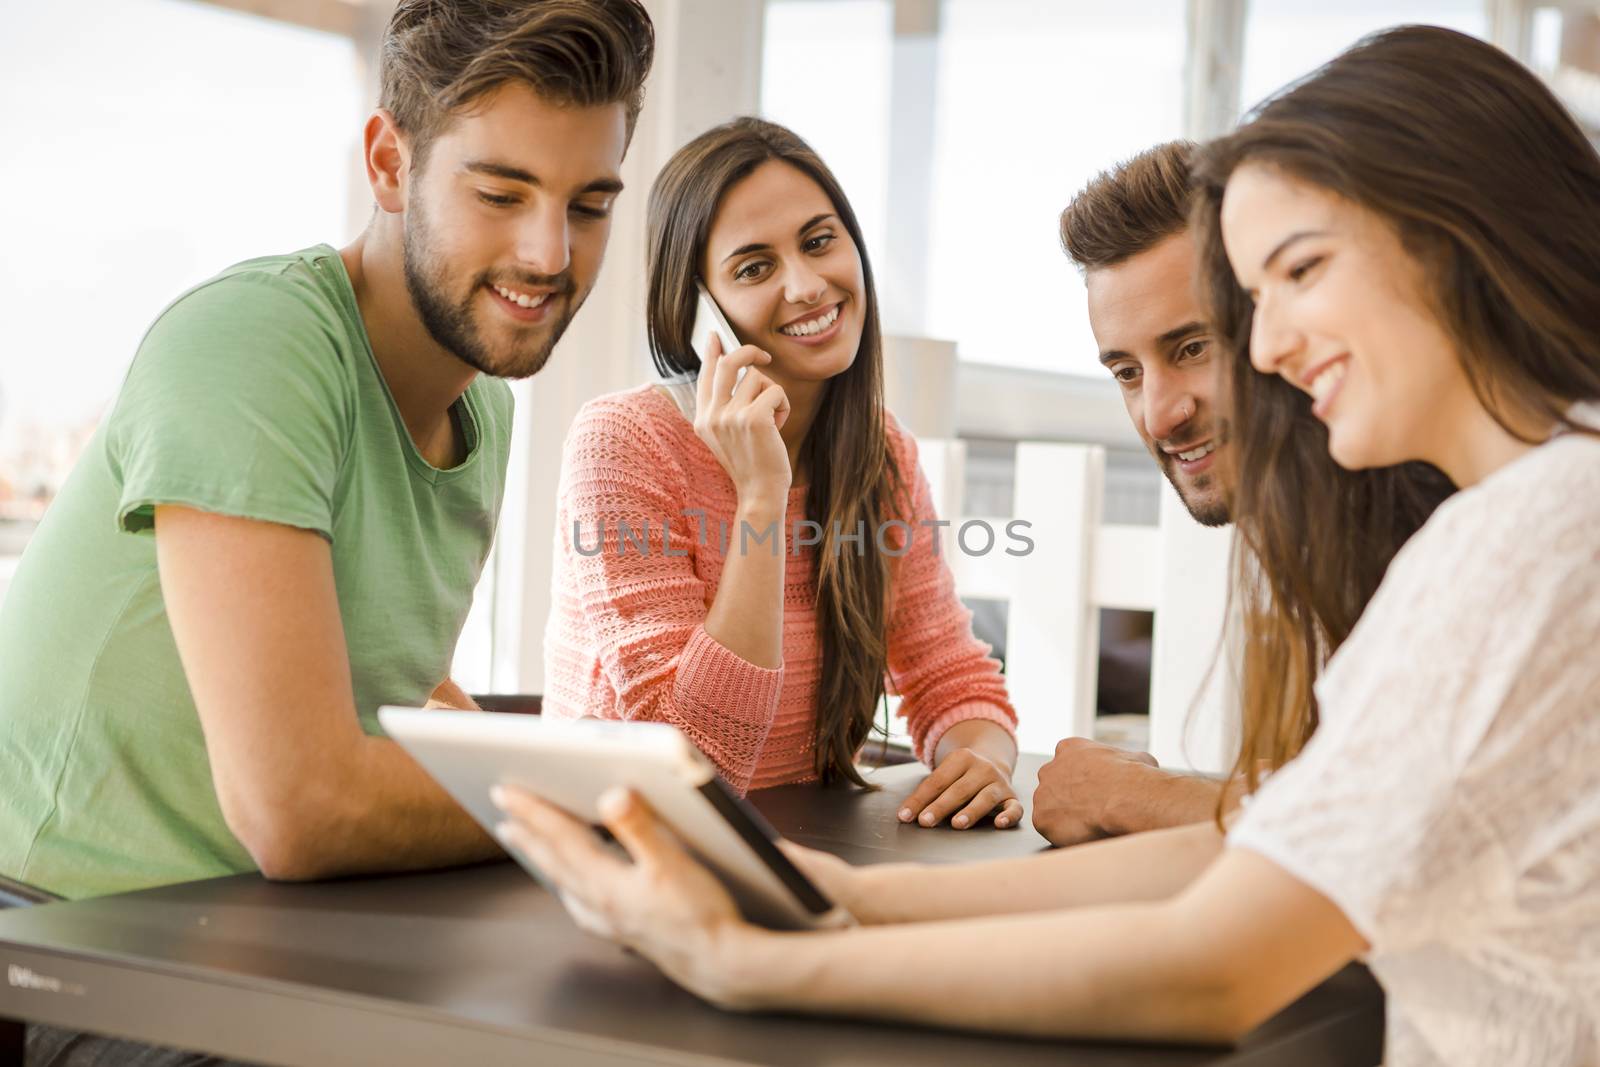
<point>572,762</point>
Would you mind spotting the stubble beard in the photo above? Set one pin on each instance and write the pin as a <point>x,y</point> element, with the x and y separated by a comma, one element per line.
<point>1202,498</point>
<point>452,325</point>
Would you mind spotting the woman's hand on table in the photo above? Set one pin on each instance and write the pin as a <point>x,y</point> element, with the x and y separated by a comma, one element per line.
<point>971,779</point>
<point>664,905</point>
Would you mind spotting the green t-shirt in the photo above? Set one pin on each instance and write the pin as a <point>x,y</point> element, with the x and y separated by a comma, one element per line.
<point>255,394</point>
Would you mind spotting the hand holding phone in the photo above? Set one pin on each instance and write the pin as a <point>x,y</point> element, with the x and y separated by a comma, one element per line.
<point>730,388</point>
<point>710,322</point>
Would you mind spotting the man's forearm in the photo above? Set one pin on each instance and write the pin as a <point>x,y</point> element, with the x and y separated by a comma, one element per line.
<point>383,813</point>
<point>1161,799</point>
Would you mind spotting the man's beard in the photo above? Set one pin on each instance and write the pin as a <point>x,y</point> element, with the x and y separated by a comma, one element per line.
<point>1205,512</point>
<point>1213,512</point>
<point>452,325</point>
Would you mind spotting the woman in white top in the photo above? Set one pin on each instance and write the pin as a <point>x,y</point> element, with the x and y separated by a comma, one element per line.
<point>1411,236</point>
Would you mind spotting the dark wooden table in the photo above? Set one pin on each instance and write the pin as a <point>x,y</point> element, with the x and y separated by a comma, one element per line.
<point>480,966</point>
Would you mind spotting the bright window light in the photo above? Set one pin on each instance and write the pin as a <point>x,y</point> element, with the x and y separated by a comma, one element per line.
<point>1035,99</point>
<point>1287,39</point>
<point>825,75</point>
<point>150,143</point>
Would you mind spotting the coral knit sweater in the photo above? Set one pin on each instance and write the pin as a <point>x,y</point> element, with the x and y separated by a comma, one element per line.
<point>626,637</point>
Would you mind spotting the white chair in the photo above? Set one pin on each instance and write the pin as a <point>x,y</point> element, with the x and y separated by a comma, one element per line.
<point>1078,565</point>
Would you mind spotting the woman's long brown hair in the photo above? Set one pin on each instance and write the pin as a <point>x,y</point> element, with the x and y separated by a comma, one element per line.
<point>853,475</point>
<point>1495,191</point>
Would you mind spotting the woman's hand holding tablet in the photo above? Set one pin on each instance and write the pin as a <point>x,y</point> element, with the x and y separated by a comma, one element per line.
<point>664,904</point>
<point>573,764</point>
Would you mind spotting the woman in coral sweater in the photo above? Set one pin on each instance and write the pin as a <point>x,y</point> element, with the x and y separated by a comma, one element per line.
<point>748,552</point>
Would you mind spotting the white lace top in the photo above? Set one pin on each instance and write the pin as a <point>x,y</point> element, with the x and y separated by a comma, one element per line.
<point>1449,802</point>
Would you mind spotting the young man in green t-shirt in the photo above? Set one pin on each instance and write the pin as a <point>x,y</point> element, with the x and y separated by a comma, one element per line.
<point>280,524</point>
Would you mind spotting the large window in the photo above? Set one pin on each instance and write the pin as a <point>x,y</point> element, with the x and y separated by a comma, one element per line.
<point>825,75</point>
<point>1034,99</point>
<point>1029,99</point>
<point>149,144</point>
<point>1287,39</point>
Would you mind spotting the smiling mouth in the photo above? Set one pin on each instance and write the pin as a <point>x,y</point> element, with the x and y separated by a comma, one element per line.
<point>1196,453</point>
<point>522,299</point>
<point>814,325</point>
<point>1327,379</point>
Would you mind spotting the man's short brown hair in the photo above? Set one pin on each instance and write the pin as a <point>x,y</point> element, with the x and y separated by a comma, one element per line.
<point>439,56</point>
<point>1130,208</point>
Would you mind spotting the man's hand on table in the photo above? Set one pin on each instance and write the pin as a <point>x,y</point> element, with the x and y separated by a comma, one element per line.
<point>1092,790</point>
<point>450,696</point>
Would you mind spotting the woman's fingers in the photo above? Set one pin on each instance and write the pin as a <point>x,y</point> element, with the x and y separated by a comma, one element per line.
<point>739,423</point>
<point>809,860</point>
<point>963,790</point>
<point>708,370</point>
<point>535,814</point>
<point>590,920</point>
<point>1010,816</point>
<point>726,375</point>
<point>749,387</point>
<point>821,867</point>
<point>559,845</point>
<point>773,400</point>
<point>546,866</point>
<point>663,904</point>
<point>645,837</point>
<point>780,414</point>
<point>837,879</point>
<point>992,797</point>
<point>667,898</point>
<point>932,787</point>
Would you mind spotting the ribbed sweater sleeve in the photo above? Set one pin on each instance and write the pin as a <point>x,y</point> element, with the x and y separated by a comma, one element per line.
<point>628,597</point>
<point>943,673</point>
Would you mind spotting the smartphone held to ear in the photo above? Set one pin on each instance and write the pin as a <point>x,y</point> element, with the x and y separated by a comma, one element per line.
<point>709,322</point>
